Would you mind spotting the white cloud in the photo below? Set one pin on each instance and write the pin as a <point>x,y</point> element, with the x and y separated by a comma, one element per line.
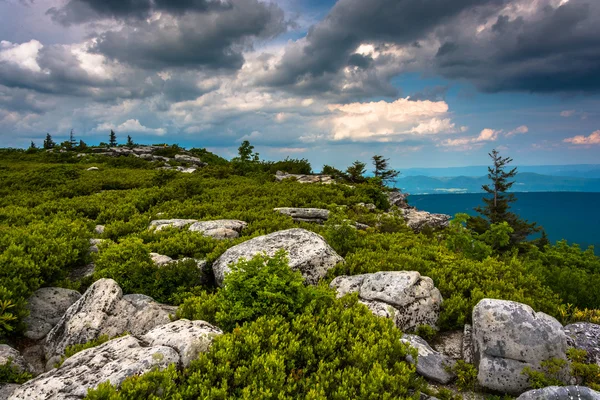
<point>567,113</point>
<point>24,54</point>
<point>487,135</point>
<point>131,125</point>
<point>384,121</point>
<point>520,130</point>
<point>593,138</point>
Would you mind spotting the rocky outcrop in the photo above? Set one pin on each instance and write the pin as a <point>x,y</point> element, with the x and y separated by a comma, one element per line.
<point>189,338</point>
<point>430,364</point>
<point>316,215</point>
<point>220,228</point>
<point>12,356</point>
<point>103,310</point>
<point>46,306</point>
<point>112,361</point>
<point>398,199</point>
<point>418,220</point>
<point>404,296</point>
<point>561,393</point>
<point>509,336</point>
<point>307,252</point>
<point>585,336</point>
<point>189,159</point>
<point>160,224</point>
<point>279,176</point>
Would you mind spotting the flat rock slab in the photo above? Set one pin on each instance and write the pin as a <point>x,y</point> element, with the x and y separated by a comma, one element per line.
<point>430,364</point>
<point>46,306</point>
<point>103,310</point>
<point>160,224</point>
<point>561,393</point>
<point>418,220</point>
<point>585,336</point>
<point>307,252</point>
<point>112,361</point>
<point>220,228</point>
<point>317,215</point>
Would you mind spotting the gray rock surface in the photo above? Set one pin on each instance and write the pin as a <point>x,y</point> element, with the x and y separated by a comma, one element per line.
<point>46,306</point>
<point>327,179</point>
<point>103,310</point>
<point>467,349</point>
<point>430,364</point>
<point>418,220</point>
<point>189,159</point>
<point>398,199</point>
<point>189,338</point>
<point>6,390</point>
<point>160,259</point>
<point>112,361</point>
<point>219,229</point>
<point>8,354</point>
<point>450,344</point>
<point>84,271</point>
<point>509,336</point>
<point>94,245</point>
<point>316,215</point>
<point>99,229</point>
<point>561,393</point>
<point>160,224</point>
<point>585,336</point>
<point>405,296</point>
<point>307,252</point>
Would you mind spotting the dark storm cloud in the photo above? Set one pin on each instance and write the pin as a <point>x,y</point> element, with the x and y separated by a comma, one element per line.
<point>16,99</point>
<point>80,11</point>
<point>331,42</point>
<point>214,39</point>
<point>556,50</point>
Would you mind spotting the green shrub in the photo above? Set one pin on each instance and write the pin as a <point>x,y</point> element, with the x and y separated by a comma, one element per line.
<point>466,376</point>
<point>10,373</point>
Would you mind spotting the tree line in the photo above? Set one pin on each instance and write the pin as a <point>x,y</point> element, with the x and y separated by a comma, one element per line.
<point>73,144</point>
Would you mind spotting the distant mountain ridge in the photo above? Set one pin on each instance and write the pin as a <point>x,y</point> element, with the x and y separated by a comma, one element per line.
<point>591,171</point>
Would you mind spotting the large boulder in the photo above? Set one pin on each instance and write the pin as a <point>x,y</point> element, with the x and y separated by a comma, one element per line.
<point>103,310</point>
<point>189,159</point>
<point>160,224</point>
<point>398,199</point>
<point>220,228</point>
<point>46,307</point>
<point>419,220</point>
<point>307,252</point>
<point>317,215</point>
<point>509,336</point>
<point>327,179</point>
<point>189,338</point>
<point>561,393</point>
<point>12,356</point>
<point>113,361</point>
<point>585,336</point>
<point>430,364</point>
<point>404,296</point>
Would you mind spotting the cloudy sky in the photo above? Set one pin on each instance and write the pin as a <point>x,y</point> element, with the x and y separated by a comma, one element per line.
<point>427,83</point>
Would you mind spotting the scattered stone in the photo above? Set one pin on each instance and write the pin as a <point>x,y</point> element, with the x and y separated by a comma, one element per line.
<point>82,272</point>
<point>585,336</point>
<point>327,179</point>
<point>405,296</point>
<point>99,229</point>
<point>160,259</point>
<point>509,336</point>
<point>8,354</point>
<point>94,245</point>
<point>46,307</point>
<point>186,170</point>
<point>160,224</point>
<point>418,220</point>
<point>368,206</point>
<point>189,338</point>
<point>220,228</point>
<point>307,252</point>
<point>112,361</point>
<point>103,310</point>
<point>305,214</point>
<point>430,364</point>
<point>450,344</point>
<point>561,393</point>
<point>93,169</point>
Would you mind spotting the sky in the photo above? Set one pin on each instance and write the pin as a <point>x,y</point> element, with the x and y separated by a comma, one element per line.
<point>425,83</point>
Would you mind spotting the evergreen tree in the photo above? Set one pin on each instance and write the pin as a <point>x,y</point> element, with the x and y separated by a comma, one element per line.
<point>496,208</point>
<point>82,145</point>
<point>72,140</point>
<point>130,143</point>
<point>32,146</point>
<point>48,142</point>
<point>356,172</point>
<point>245,152</point>
<point>382,170</point>
<point>113,139</point>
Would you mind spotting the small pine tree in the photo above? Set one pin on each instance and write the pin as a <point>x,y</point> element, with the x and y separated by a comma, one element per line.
<point>112,142</point>
<point>130,143</point>
<point>246,152</point>
<point>72,140</point>
<point>82,145</point>
<point>48,142</point>
<point>356,172</point>
<point>32,146</point>
<point>382,170</point>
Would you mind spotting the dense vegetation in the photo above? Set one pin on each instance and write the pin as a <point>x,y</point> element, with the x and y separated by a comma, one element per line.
<point>282,338</point>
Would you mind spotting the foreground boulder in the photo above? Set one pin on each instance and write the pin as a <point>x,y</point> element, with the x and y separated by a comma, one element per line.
<point>418,220</point>
<point>317,215</point>
<point>509,336</point>
<point>585,336</point>
<point>220,228</point>
<point>406,297</point>
<point>307,252</point>
<point>46,306</point>
<point>561,393</point>
<point>12,356</point>
<point>103,310</point>
<point>430,364</point>
<point>112,361</point>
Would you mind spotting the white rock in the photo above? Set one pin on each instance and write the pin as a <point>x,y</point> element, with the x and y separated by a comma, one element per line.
<point>160,224</point>
<point>46,306</point>
<point>189,338</point>
<point>160,259</point>
<point>561,393</point>
<point>220,228</point>
<point>430,364</point>
<point>93,169</point>
<point>417,220</point>
<point>99,229</point>
<point>307,253</point>
<point>94,245</point>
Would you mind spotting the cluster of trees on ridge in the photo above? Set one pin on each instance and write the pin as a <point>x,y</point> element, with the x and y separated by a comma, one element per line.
<point>49,205</point>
